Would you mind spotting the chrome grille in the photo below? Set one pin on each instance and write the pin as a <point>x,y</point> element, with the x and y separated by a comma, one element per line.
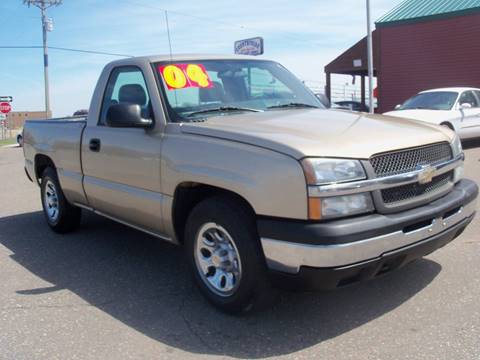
<point>403,161</point>
<point>410,191</point>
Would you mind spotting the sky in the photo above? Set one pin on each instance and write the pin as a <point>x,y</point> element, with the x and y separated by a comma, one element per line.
<point>303,35</point>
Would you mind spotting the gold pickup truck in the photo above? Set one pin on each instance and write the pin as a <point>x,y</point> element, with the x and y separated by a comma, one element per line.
<point>234,159</point>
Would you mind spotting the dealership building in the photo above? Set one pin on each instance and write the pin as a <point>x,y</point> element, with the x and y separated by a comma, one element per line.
<point>16,119</point>
<point>419,45</point>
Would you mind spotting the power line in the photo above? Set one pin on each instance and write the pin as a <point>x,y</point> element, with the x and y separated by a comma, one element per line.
<point>21,47</point>
<point>89,51</point>
<point>225,23</point>
<point>6,15</point>
<point>65,49</point>
<point>292,35</point>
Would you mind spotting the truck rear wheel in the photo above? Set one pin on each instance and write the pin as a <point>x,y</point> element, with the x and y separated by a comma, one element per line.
<point>61,216</point>
<point>224,254</point>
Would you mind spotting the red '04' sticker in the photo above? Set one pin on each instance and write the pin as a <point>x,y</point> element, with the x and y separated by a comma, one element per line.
<point>181,76</point>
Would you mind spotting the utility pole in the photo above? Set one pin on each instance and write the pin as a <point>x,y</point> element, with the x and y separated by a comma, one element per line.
<point>43,5</point>
<point>370,59</point>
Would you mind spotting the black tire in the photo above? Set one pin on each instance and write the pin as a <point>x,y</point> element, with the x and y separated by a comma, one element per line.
<point>68,217</point>
<point>254,291</point>
<point>20,140</point>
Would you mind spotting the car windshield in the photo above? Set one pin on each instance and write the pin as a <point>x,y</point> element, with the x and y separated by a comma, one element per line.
<point>438,100</point>
<point>207,88</point>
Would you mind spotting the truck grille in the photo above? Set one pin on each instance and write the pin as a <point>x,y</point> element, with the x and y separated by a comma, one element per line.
<point>403,161</point>
<point>410,191</point>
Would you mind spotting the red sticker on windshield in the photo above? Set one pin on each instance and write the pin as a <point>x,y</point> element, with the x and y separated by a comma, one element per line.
<point>181,76</point>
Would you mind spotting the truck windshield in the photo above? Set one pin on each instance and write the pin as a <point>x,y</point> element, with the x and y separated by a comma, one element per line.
<point>221,87</point>
<point>437,100</point>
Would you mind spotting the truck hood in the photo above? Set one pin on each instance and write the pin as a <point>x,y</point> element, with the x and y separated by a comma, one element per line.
<point>431,116</point>
<point>315,132</point>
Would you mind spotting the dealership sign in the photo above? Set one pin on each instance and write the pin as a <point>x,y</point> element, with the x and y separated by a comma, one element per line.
<point>5,108</point>
<point>252,46</point>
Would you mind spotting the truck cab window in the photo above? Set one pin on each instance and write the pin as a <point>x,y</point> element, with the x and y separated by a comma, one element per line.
<point>263,85</point>
<point>126,85</point>
<point>254,85</point>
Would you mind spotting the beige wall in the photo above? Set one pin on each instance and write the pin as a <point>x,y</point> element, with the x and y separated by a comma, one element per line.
<point>15,119</point>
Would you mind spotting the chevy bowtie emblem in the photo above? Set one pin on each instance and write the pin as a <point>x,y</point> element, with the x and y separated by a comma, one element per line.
<point>426,174</point>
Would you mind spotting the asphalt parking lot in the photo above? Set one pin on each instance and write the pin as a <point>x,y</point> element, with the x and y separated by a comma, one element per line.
<point>109,292</point>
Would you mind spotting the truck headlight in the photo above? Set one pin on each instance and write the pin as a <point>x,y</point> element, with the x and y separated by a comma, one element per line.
<point>341,206</point>
<point>456,151</point>
<point>320,171</point>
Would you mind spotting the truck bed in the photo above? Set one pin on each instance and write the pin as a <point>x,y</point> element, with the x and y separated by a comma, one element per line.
<point>60,140</point>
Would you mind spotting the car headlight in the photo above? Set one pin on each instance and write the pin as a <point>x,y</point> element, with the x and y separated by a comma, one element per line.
<point>456,146</point>
<point>457,150</point>
<point>320,171</point>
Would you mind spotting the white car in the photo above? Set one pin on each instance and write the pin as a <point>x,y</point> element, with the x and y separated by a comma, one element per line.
<point>457,108</point>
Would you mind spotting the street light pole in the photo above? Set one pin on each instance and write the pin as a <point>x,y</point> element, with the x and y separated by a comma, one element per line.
<point>370,59</point>
<point>43,5</point>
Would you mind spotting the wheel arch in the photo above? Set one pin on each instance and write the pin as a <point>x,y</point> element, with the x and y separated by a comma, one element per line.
<point>41,162</point>
<point>188,194</point>
<point>448,124</point>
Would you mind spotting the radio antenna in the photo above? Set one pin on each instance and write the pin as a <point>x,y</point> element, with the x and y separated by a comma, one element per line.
<point>170,48</point>
<point>168,35</point>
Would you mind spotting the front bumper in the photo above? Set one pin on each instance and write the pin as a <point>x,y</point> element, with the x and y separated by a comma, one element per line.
<point>339,251</point>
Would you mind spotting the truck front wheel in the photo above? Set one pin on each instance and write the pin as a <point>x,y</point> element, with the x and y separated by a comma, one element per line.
<point>225,257</point>
<point>61,216</point>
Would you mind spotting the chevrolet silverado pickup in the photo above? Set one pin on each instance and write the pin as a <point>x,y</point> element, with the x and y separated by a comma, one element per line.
<point>234,159</point>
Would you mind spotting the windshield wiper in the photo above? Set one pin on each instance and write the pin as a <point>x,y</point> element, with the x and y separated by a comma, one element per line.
<point>292,105</point>
<point>223,109</point>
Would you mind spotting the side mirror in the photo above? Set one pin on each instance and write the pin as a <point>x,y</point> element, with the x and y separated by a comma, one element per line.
<point>127,115</point>
<point>398,107</point>
<point>465,106</point>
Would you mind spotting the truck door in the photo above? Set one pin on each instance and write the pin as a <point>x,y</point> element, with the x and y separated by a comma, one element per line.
<point>121,166</point>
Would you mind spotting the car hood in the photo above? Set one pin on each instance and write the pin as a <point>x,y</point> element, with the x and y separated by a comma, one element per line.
<point>433,116</point>
<point>316,132</point>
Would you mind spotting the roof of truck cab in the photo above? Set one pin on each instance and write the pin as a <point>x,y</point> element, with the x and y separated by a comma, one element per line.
<point>186,57</point>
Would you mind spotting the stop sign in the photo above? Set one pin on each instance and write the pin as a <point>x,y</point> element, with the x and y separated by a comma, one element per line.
<point>5,108</point>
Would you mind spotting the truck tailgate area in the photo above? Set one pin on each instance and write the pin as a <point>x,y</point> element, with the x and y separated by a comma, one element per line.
<point>60,141</point>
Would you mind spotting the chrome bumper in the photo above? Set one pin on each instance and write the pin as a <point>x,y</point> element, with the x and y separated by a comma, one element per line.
<point>288,257</point>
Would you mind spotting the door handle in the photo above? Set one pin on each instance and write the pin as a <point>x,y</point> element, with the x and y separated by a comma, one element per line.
<point>95,145</point>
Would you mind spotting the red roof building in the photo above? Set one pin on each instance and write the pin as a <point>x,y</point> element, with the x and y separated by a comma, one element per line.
<point>419,45</point>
